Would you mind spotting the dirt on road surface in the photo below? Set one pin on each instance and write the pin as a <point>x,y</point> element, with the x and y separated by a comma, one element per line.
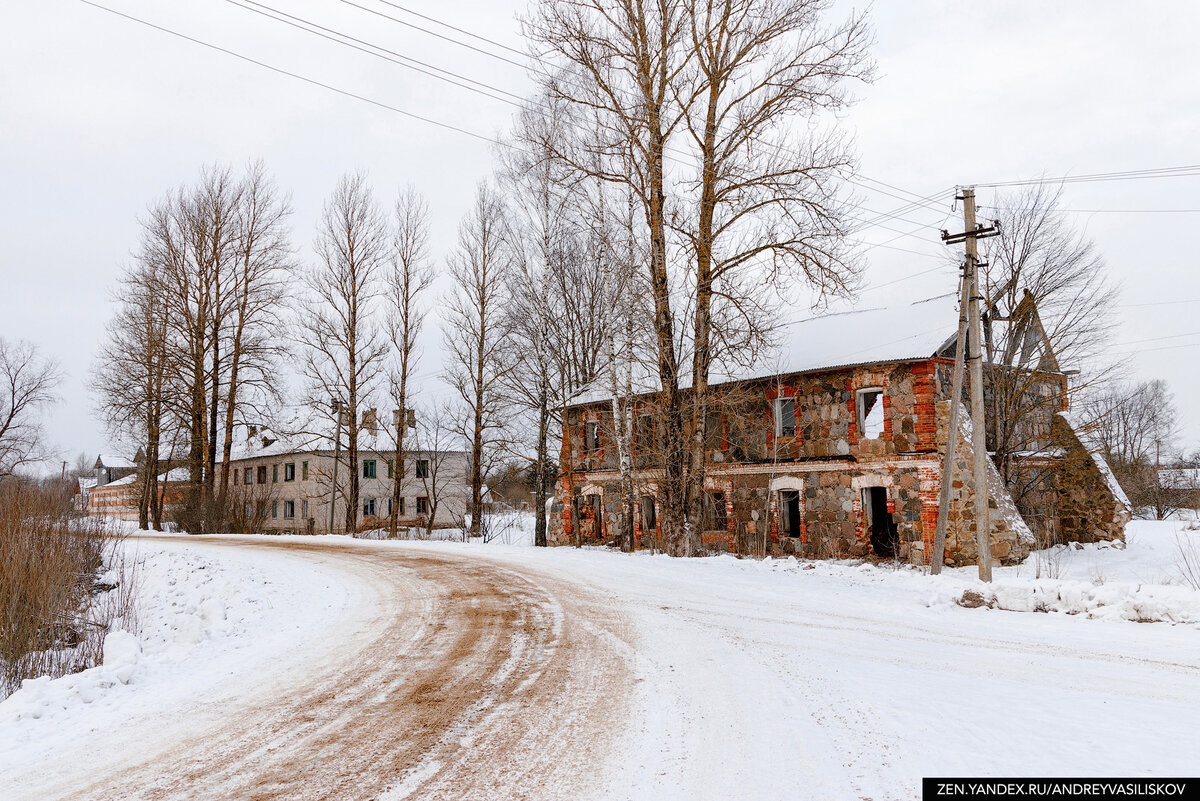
<point>453,678</point>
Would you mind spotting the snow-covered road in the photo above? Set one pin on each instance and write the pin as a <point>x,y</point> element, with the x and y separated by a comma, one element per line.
<point>437,670</point>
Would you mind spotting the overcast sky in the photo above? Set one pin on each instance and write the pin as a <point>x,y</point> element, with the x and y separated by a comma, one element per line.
<point>99,115</point>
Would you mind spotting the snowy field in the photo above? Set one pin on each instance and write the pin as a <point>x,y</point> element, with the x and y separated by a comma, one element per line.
<point>746,679</point>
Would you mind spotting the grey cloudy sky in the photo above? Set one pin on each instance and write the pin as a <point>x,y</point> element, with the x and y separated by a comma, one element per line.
<point>99,115</point>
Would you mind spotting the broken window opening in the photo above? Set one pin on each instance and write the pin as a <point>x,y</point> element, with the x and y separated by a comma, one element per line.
<point>591,437</point>
<point>645,432</point>
<point>870,412</point>
<point>785,417</point>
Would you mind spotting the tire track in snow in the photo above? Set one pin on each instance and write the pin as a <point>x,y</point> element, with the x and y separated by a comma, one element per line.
<point>455,678</point>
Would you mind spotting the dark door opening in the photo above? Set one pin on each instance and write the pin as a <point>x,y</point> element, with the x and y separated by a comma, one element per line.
<point>789,512</point>
<point>597,515</point>
<point>885,540</point>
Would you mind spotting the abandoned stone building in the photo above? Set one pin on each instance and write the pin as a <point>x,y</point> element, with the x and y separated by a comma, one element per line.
<point>838,450</point>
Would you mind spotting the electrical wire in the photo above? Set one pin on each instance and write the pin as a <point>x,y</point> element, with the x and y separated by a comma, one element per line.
<point>297,76</point>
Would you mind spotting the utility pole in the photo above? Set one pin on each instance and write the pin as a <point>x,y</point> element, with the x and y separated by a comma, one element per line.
<point>336,406</point>
<point>948,468</point>
<point>972,233</point>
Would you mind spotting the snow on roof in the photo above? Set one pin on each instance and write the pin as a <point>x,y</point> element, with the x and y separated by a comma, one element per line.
<point>107,460</point>
<point>845,339</point>
<point>305,432</point>
<point>180,474</point>
<point>867,336</point>
<point>1093,447</point>
<point>87,482</point>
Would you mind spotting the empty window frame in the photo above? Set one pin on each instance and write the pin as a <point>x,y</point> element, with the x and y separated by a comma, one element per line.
<point>785,417</point>
<point>869,403</point>
<point>304,506</point>
<point>274,508</point>
<point>304,471</point>
<point>274,474</point>
<point>289,471</point>
<point>368,507</point>
<point>235,477</point>
<point>649,521</point>
<point>368,468</point>
<point>644,433</point>
<point>422,468</point>
<point>422,505</point>
<point>289,509</point>
<point>262,474</point>
<point>391,473</point>
<point>591,437</point>
<point>714,430</point>
<point>400,506</point>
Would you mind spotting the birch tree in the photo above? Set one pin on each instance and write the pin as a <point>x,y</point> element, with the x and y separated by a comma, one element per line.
<point>474,334</point>
<point>344,344</point>
<point>408,278</point>
<point>622,63</point>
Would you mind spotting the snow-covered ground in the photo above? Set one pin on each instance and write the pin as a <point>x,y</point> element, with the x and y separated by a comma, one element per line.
<point>748,679</point>
<point>204,620</point>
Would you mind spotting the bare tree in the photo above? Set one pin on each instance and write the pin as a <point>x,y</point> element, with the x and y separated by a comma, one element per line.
<point>410,276</point>
<point>547,343</point>
<point>1049,306</point>
<point>746,197</point>
<point>130,376</point>
<point>621,62</point>
<point>764,201</point>
<point>1135,426</point>
<point>437,441</point>
<point>260,270</point>
<point>28,386</point>
<point>474,333</point>
<point>344,345</point>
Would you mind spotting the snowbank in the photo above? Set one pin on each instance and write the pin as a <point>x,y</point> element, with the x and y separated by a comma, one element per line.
<point>200,620</point>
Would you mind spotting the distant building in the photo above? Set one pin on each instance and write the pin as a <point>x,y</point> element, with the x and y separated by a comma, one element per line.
<point>109,468</point>
<point>285,483</point>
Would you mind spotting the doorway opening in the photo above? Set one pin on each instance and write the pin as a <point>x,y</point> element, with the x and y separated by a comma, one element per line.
<point>885,539</point>
<point>789,513</point>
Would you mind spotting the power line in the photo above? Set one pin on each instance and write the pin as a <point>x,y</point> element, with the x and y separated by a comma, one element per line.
<point>1156,339</point>
<point>1128,175</point>
<point>1150,350</point>
<point>1105,211</point>
<point>278,16</point>
<point>453,28</point>
<point>1158,303</point>
<point>297,76</point>
<point>399,58</point>
<point>919,200</point>
<point>434,33</point>
<point>904,278</point>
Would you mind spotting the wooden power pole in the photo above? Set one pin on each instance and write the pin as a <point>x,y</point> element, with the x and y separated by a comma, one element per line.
<point>972,233</point>
<point>948,468</point>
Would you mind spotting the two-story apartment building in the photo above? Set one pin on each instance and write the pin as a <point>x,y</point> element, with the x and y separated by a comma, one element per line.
<point>294,483</point>
<point>836,450</point>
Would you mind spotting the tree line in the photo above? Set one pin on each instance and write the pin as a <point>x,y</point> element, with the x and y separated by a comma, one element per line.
<point>678,177</point>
